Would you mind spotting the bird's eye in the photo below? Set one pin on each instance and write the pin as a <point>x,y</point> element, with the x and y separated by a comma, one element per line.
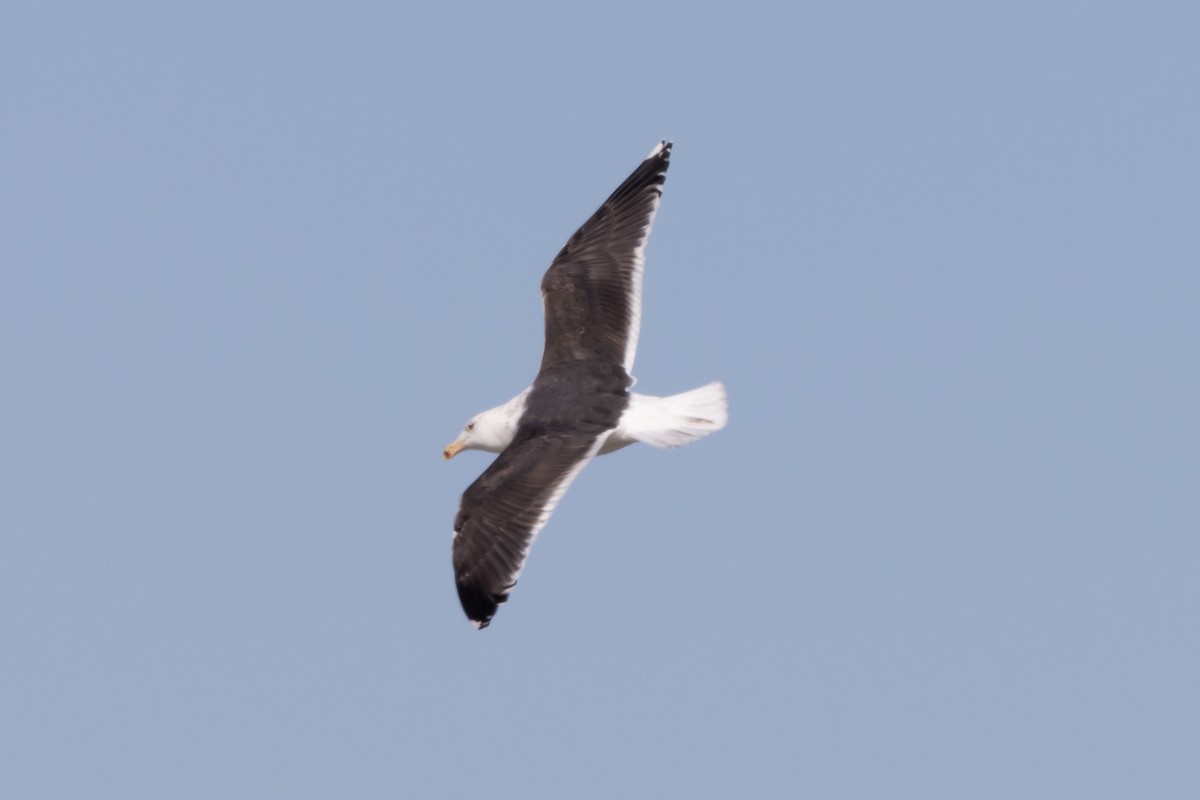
<point>470,426</point>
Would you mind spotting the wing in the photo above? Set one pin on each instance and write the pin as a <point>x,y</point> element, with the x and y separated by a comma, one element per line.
<point>592,293</point>
<point>503,510</point>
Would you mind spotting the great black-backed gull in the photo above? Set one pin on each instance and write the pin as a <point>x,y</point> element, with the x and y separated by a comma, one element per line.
<point>579,405</point>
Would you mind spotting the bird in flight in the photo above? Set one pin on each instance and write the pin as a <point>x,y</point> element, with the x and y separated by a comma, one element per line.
<point>579,405</point>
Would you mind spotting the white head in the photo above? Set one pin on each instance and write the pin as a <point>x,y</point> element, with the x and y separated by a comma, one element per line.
<point>491,430</point>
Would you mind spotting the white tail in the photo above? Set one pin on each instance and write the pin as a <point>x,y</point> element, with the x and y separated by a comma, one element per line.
<point>673,421</point>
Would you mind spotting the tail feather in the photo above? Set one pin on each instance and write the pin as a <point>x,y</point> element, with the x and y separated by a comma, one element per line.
<point>679,419</point>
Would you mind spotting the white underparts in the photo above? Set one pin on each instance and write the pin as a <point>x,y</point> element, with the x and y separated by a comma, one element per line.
<point>657,421</point>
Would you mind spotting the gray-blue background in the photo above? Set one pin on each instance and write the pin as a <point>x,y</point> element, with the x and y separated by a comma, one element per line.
<point>260,261</point>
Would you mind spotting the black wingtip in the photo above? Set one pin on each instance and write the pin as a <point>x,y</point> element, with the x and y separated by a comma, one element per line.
<point>479,604</point>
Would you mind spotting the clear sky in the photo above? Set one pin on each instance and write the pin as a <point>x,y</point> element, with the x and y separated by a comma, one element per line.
<point>260,261</point>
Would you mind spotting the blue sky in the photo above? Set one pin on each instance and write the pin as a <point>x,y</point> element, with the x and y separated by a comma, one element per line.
<point>259,262</point>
